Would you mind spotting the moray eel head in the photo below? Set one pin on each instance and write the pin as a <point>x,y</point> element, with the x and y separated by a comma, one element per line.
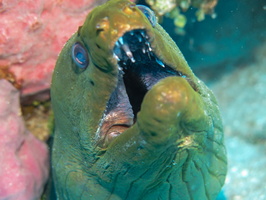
<point>127,45</point>
<point>132,121</point>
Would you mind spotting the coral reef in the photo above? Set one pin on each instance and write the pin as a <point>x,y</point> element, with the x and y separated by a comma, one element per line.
<point>162,7</point>
<point>38,119</point>
<point>174,8</point>
<point>32,34</point>
<point>23,158</point>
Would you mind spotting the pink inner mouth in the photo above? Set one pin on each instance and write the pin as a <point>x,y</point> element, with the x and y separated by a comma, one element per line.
<point>118,116</point>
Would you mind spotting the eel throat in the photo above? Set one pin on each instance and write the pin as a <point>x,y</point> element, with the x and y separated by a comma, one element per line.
<point>139,70</point>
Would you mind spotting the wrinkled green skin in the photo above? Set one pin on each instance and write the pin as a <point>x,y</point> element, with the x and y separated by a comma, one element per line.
<point>174,150</point>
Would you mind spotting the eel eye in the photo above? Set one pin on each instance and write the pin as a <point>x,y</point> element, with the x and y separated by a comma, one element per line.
<point>148,13</point>
<point>79,55</point>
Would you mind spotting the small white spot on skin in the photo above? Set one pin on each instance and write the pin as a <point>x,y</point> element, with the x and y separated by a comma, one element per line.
<point>97,134</point>
<point>129,144</point>
<point>188,141</point>
<point>164,94</point>
<point>143,142</point>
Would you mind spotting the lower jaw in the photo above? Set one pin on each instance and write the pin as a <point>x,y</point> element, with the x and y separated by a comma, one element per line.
<point>113,132</point>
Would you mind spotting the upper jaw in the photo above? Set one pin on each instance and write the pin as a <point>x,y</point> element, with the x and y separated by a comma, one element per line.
<point>139,69</point>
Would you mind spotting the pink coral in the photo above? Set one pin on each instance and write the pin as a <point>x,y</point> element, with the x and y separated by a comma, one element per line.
<point>24,161</point>
<point>32,34</point>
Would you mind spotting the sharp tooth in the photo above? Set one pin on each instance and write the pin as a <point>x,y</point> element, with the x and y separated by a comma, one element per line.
<point>132,59</point>
<point>159,62</point>
<point>143,34</point>
<point>149,46</point>
<point>149,55</point>
<point>121,41</point>
<point>116,57</point>
<point>143,50</point>
<point>117,51</point>
<point>128,52</point>
<point>150,49</point>
<point>139,38</point>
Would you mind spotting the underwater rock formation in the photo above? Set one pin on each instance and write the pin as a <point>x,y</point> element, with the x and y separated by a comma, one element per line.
<point>32,34</point>
<point>23,158</point>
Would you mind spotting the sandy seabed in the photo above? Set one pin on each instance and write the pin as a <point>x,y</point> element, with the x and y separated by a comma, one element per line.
<point>242,98</point>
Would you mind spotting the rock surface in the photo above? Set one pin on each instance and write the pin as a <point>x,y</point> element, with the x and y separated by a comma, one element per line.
<point>32,34</point>
<point>23,158</point>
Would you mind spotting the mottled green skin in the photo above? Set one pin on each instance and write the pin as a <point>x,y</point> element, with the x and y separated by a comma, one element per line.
<point>174,150</point>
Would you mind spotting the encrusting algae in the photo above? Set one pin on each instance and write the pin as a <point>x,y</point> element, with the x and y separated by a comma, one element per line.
<point>174,9</point>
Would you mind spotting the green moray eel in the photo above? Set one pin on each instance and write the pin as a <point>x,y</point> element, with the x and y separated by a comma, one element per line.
<point>132,121</point>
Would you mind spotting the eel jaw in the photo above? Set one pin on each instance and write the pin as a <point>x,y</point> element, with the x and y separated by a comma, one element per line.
<point>139,70</point>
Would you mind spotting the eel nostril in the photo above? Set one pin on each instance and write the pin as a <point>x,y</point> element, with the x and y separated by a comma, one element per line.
<point>102,25</point>
<point>98,30</point>
<point>132,7</point>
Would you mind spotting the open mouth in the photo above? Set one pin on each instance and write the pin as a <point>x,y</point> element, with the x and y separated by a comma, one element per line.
<point>139,70</point>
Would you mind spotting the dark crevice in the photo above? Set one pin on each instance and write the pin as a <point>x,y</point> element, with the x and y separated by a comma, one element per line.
<point>91,82</point>
<point>133,183</point>
<point>139,77</point>
<point>113,187</point>
<point>98,46</point>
